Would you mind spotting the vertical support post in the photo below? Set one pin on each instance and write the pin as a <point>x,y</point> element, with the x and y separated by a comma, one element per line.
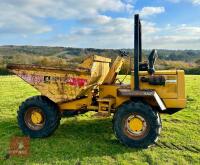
<point>140,41</point>
<point>136,52</point>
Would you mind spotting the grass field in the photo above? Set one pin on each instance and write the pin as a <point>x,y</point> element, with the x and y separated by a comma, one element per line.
<point>86,140</point>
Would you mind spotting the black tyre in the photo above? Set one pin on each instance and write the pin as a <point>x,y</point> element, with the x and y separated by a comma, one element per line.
<point>136,124</point>
<point>38,117</point>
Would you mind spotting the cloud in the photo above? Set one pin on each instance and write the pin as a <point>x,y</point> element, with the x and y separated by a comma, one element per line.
<point>12,21</point>
<point>147,11</point>
<point>196,2</point>
<point>99,19</point>
<point>114,33</point>
<point>175,37</point>
<point>94,28</point>
<point>174,1</point>
<point>65,9</point>
<point>28,16</point>
<point>189,30</point>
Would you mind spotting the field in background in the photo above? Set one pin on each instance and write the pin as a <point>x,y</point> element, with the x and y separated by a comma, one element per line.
<point>86,140</point>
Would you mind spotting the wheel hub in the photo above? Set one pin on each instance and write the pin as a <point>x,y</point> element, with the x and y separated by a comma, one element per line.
<point>136,125</point>
<point>36,117</point>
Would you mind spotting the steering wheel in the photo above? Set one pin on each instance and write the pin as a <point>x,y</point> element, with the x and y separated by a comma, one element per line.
<point>123,53</point>
<point>152,59</point>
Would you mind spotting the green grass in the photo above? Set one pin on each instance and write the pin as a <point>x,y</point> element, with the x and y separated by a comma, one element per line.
<point>86,140</point>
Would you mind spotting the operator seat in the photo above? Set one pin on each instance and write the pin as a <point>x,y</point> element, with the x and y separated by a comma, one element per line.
<point>149,66</point>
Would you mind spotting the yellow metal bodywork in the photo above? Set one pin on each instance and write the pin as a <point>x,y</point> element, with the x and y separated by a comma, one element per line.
<point>111,91</point>
<point>172,93</point>
<point>72,89</point>
<point>112,74</point>
<point>99,67</point>
<point>105,104</point>
<point>76,104</point>
<point>65,84</point>
<point>105,92</point>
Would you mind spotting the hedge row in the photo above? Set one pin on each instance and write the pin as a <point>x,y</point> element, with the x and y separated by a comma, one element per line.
<point>193,71</point>
<point>4,72</point>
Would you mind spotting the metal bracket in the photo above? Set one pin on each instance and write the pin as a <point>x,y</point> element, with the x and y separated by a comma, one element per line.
<point>142,94</point>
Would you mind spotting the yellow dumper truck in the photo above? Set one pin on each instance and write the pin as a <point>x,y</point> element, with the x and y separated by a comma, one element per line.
<point>93,86</point>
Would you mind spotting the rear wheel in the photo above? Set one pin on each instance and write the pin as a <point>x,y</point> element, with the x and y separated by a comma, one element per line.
<point>38,117</point>
<point>135,124</point>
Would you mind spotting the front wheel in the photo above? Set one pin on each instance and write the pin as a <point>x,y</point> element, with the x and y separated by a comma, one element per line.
<point>136,124</point>
<point>38,117</point>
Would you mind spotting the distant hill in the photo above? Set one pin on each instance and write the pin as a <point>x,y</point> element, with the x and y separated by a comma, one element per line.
<point>65,52</point>
<point>64,56</point>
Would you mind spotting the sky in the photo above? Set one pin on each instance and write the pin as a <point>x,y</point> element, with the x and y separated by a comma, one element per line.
<point>167,24</point>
